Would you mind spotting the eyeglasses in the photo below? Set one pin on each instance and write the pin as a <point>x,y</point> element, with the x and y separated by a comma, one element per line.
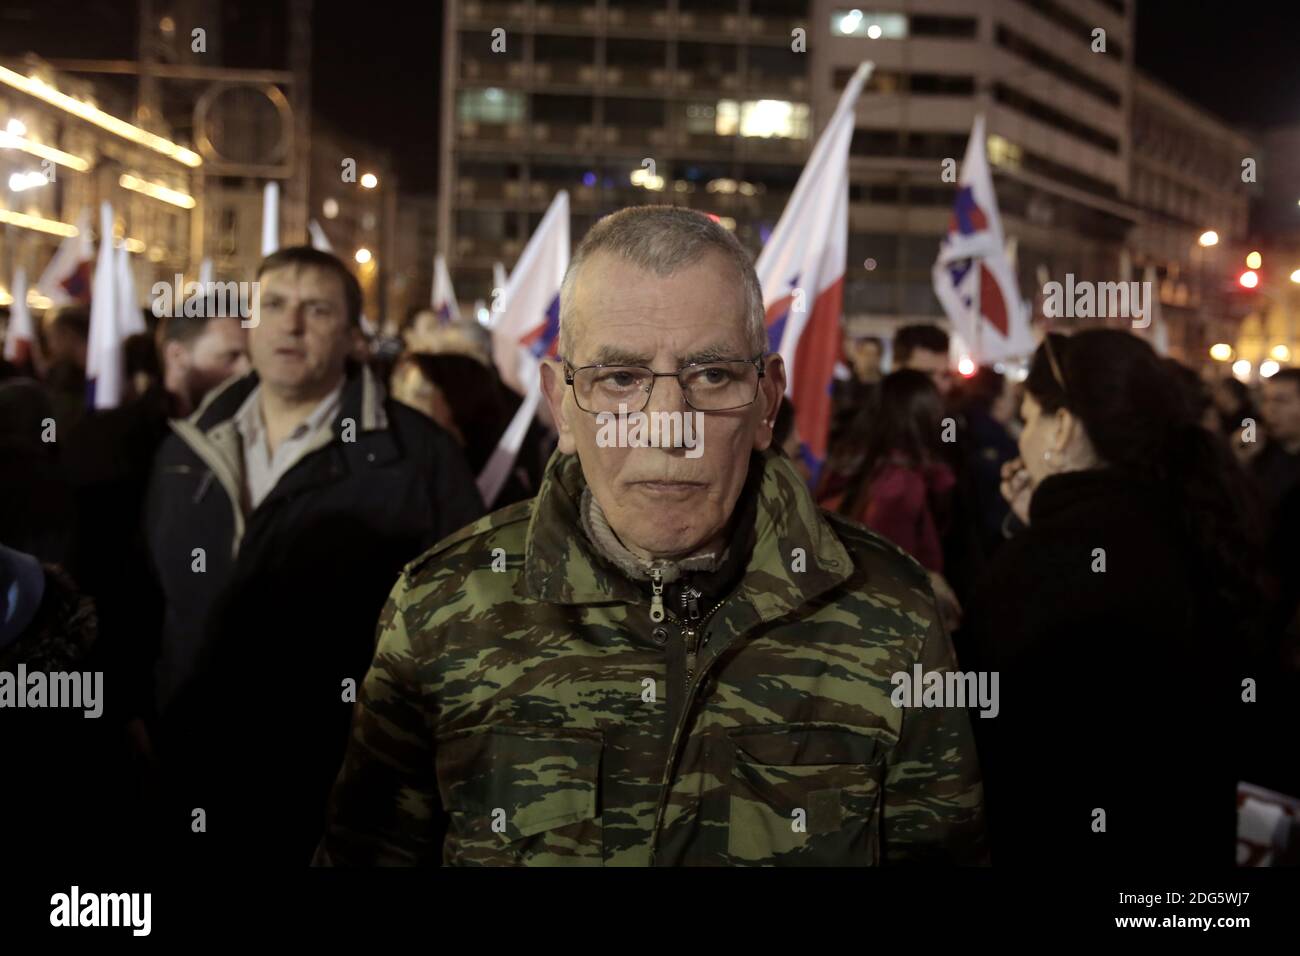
<point>706,386</point>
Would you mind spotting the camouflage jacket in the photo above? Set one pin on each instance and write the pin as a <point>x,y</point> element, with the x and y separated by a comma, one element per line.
<point>520,713</point>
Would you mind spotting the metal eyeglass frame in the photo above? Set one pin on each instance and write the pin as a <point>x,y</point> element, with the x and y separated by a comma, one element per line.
<point>756,361</point>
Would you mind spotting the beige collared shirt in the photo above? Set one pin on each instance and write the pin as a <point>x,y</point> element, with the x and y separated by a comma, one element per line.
<point>262,470</point>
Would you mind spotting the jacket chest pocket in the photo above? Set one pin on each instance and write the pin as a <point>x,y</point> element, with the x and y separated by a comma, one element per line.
<point>804,796</point>
<point>521,796</point>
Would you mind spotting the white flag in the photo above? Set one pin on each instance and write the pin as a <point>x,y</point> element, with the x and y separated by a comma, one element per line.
<point>104,359</point>
<point>526,325</point>
<point>130,317</point>
<point>20,336</point>
<point>444,296</point>
<point>801,270</point>
<point>67,277</point>
<point>270,218</point>
<point>974,279</point>
<point>318,238</point>
<point>525,330</point>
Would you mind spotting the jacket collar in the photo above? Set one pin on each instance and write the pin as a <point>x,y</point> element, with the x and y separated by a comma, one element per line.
<point>795,558</point>
<point>362,400</point>
<point>211,433</point>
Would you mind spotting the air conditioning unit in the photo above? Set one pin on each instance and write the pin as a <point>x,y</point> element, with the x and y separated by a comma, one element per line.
<point>537,190</point>
<point>611,134</point>
<point>660,18</point>
<point>686,22</point>
<point>731,24</point>
<point>541,131</point>
<point>514,189</point>
<point>541,71</point>
<point>468,129</point>
<point>517,71</point>
<point>587,75</point>
<point>658,137</point>
<point>544,14</point>
<point>465,188</point>
<point>658,77</point>
<point>516,131</point>
<point>613,74</point>
<point>616,17</point>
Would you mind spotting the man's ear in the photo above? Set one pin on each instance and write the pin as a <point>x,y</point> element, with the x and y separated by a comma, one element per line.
<point>771,391</point>
<point>553,389</point>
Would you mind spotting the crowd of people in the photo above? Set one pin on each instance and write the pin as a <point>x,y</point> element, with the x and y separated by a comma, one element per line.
<point>1114,536</point>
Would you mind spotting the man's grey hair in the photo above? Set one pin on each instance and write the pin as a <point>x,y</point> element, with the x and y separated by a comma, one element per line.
<point>663,239</point>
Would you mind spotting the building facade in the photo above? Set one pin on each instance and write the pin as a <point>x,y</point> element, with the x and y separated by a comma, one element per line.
<point>1192,174</point>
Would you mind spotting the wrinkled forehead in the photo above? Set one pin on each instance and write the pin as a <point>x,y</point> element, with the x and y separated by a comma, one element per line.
<point>624,315</point>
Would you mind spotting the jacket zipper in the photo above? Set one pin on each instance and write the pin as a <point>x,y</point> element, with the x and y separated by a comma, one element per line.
<point>691,633</point>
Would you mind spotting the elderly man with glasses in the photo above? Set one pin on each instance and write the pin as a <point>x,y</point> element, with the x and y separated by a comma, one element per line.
<point>660,659</point>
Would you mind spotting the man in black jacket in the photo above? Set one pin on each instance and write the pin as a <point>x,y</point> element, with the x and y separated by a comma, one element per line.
<point>278,516</point>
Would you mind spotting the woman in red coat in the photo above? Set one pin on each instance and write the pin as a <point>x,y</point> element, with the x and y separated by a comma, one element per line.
<point>893,479</point>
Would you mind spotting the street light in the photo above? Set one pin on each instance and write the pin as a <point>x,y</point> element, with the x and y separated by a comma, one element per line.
<point>363,255</point>
<point>1241,368</point>
<point>1221,351</point>
<point>1254,260</point>
<point>1209,238</point>
<point>1281,353</point>
<point>1248,279</point>
<point>1268,369</point>
<point>369,180</point>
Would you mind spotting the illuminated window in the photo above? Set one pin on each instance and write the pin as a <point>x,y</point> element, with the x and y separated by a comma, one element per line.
<point>1003,152</point>
<point>491,105</point>
<point>873,26</point>
<point>766,119</point>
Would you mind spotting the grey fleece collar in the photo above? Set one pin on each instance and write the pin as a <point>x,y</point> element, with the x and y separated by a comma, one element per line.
<point>606,542</point>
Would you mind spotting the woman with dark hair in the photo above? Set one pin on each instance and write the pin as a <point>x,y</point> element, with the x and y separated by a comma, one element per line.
<point>466,398</point>
<point>893,478</point>
<point>457,392</point>
<point>1116,620</point>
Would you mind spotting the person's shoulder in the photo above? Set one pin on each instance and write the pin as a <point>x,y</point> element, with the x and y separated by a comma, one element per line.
<point>414,426</point>
<point>491,545</point>
<point>881,563</point>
